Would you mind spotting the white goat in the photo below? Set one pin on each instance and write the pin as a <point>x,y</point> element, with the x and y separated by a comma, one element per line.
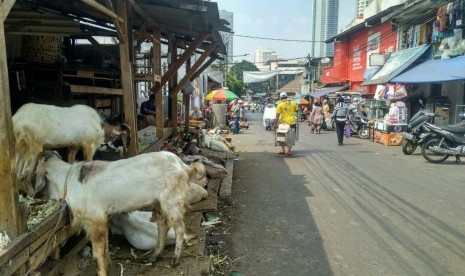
<point>97,189</point>
<point>139,230</point>
<point>38,127</point>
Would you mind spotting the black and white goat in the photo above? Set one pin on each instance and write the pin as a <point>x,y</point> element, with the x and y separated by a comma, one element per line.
<point>117,135</point>
<point>98,189</point>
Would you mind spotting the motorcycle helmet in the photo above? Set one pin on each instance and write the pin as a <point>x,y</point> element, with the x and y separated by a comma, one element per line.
<point>283,95</point>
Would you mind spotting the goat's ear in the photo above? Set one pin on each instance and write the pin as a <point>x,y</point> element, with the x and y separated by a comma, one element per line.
<point>41,174</point>
<point>41,182</point>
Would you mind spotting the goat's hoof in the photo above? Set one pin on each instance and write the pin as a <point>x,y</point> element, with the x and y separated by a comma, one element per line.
<point>153,258</point>
<point>175,262</point>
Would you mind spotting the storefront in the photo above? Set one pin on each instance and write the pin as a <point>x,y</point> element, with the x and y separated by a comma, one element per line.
<point>442,87</point>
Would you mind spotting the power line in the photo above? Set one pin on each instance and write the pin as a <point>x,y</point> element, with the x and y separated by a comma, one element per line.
<point>279,39</point>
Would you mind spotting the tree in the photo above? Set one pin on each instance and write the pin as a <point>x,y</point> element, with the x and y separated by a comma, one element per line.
<point>234,84</point>
<point>238,68</point>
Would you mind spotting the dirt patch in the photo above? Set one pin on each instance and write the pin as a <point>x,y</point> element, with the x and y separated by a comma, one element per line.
<point>218,245</point>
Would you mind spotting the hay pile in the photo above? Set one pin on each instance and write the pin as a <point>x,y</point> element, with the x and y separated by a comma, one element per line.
<point>38,209</point>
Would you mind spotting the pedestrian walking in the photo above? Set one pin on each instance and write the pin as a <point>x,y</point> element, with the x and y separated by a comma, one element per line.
<point>286,114</point>
<point>235,114</point>
<point>340,116</point>
<point>316,118</point>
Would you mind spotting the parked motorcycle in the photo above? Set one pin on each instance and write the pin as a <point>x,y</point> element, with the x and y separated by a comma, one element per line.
<point>415,136</point>
<point>449,140</point>
<point>359,126</point>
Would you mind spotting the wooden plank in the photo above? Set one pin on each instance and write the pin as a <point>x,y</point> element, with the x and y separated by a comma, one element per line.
<point>191,71</point>
<point>104,10</point>
<point>53,268</point>
<point>85,89</point>
<point>23,241</point>
<point>15,263</point>
<point>177,63</point>
<point>10,213</point>
<point>146,77</point>
<point>119,31</point>
<point>159,143</point>
<point>208,204</point>
<point>5,8</point>
<point>129,106</point>
<point>203,68</point>
<point>173,99</point>
<point>38,257</point>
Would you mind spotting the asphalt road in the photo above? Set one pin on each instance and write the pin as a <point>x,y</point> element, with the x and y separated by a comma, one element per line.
<point>360,209</point>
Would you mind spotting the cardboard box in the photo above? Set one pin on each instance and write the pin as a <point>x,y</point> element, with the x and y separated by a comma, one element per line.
<point>391,139</point>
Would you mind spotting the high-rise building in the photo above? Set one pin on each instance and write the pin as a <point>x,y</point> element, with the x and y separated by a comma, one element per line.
<point>228,37</point>
<point>361,5</point>
<point>262,58</point>
<point>324,26</point>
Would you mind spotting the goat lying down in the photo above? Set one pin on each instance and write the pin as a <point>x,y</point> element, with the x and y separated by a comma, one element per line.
<point>39,126</point>
<point>98,189</point>
<point>139,230</point>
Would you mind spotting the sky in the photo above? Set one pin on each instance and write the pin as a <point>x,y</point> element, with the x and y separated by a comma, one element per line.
<point>283,19</point>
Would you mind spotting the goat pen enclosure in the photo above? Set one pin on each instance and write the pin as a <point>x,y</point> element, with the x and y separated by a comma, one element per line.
<point>159,21</point>
<point>31,249</point>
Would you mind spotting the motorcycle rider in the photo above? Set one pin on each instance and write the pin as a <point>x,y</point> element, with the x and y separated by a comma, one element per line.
<point>340,116</point>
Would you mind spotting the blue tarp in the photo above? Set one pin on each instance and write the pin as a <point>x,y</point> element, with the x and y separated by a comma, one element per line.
<point>438,70</point>
<point>397,63</point>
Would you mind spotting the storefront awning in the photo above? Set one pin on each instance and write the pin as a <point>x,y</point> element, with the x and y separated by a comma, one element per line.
<point>397,63</point>
<point>434,71</point>
<point>324,91</point>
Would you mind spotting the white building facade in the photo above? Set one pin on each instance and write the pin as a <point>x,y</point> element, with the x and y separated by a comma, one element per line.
<point>262,58</point>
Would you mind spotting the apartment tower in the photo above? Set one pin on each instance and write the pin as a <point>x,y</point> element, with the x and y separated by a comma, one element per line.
<point>228,37</point>
<point>324,25</point>
<point>361,5</point>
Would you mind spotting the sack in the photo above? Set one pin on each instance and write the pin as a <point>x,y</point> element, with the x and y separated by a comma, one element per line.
<point>347,130</point>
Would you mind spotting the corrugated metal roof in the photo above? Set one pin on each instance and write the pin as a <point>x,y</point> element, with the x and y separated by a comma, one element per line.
<point>185,19</point>
<point>293,86</point>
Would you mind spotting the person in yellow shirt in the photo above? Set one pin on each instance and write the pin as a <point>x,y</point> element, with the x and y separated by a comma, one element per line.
<point>285,114</point>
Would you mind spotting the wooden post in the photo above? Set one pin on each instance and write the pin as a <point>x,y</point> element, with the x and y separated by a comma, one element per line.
<point>176,63</point>
<point>173,99</point>
<point>10,212</point>
<point>156,63</point>
<point>127,79</point>
<point>186,98</point>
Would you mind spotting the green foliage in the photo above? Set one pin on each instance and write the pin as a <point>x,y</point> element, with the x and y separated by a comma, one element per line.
<point>234,84</point>
<point>235,75</point>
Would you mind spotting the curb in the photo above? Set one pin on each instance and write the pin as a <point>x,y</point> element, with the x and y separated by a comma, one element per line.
<point>225,191</point>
